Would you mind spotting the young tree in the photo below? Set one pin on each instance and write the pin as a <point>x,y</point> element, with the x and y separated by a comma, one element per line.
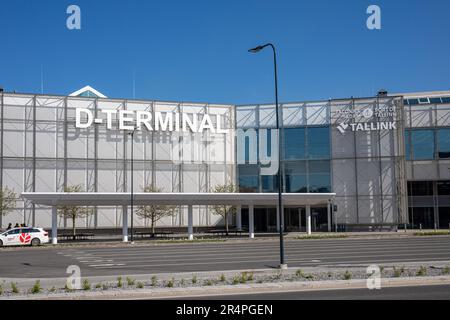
<point>154,212</point>
<point>7,201</point>
<point>224,210</point>
<point>73,212</point>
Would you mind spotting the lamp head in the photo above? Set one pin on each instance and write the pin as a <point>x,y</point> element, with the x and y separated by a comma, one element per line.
<point>256,49</point>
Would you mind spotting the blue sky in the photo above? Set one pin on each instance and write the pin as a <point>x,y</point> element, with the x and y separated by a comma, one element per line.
<point>197,50</point>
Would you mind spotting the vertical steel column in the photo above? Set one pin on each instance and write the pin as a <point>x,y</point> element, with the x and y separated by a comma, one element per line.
<point>33,210</point>
<point>356,166</point>
<point>251,221</point>
<point>190,223</point>
<point>96,161</point>
<point>380,166</point>
<point>54,225</point>
<point>65,134</point>
<point>124,223</point>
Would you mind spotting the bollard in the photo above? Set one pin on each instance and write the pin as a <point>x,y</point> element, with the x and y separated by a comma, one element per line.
<point>405,227</point>
<point>420,226</point>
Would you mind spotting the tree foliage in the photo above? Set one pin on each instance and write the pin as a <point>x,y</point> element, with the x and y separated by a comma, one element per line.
<point>7,200</point>
<point>223,210</point>
<point>73,212</point>
<point>154,212</point>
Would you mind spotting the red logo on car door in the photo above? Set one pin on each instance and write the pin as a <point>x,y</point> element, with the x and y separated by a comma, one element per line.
<point>24,238</point>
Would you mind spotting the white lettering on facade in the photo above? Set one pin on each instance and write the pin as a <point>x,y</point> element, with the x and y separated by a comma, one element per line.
<point>130,120</point>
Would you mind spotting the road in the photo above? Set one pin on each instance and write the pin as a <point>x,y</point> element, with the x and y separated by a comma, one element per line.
<point>440,292</point>
<point>104,261</point>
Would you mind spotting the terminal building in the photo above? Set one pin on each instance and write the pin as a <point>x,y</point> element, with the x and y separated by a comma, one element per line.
<point>386,158</point>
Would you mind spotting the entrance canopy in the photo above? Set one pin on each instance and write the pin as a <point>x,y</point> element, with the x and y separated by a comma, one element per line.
<point>121,199</point>
<point>55,199</point>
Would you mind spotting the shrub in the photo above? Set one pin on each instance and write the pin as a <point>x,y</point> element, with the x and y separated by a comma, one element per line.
<point>398,272</point>
<point>194,279</point>
<point>52,289</point>
<point>86,285</point>
<point>36,288</point>
<point>235,280</point>
<point>347,275</point>
<point>246,276</point>
<point>182,282</point>
<point>208,282</point>
<point>170,283</point>
<point>278,275</point>
<point>14,287</point>
<point>421,272</point>
<point>67,288</point>
<point>154,281</point>
<point>222,278</point>
<point>299,273</point>
<point>130,281</point>
<point>446,270</point>
<point>1,289</point>
<point>98,285</point>
<point>140,285</point>
<point>309,277</point>
<point>119,282</point>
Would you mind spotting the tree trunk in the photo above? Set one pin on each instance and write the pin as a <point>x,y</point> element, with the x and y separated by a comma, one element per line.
<point>153,227</point>
<point>73,227</point>
<point>226,223</point>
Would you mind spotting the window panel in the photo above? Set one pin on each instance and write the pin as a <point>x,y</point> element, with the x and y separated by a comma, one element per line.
<point>443,137</point>
<point>319,176</point>
<point>319,143</point>
<point>422,144</point>
<point>248,178</point>
<point>295,177</point>
<point>294,140</point>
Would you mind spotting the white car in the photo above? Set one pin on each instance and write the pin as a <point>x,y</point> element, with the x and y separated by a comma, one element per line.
<point>24,236</point>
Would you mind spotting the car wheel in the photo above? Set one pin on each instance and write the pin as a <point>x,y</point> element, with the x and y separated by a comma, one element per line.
<point>35,242</point>
<point>1,243</point>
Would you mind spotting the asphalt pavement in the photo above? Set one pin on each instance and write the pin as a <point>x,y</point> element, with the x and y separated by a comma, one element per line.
<point>52,262</point>
<point>440,292</point>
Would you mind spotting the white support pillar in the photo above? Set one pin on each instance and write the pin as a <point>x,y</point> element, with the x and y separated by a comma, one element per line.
<point>308,220</point>
<point>239,217</point>
<point>329,215</point>
<point>190,223</point>
<point>251,221</point>
<point>124,223</point>
<point>54,225</point>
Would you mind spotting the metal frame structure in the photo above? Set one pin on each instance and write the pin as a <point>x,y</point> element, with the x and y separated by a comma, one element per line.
<point>41,151</point>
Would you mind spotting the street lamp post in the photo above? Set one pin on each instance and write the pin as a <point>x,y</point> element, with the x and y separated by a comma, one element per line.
<point>283,265</point>
<point>132,183</point>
